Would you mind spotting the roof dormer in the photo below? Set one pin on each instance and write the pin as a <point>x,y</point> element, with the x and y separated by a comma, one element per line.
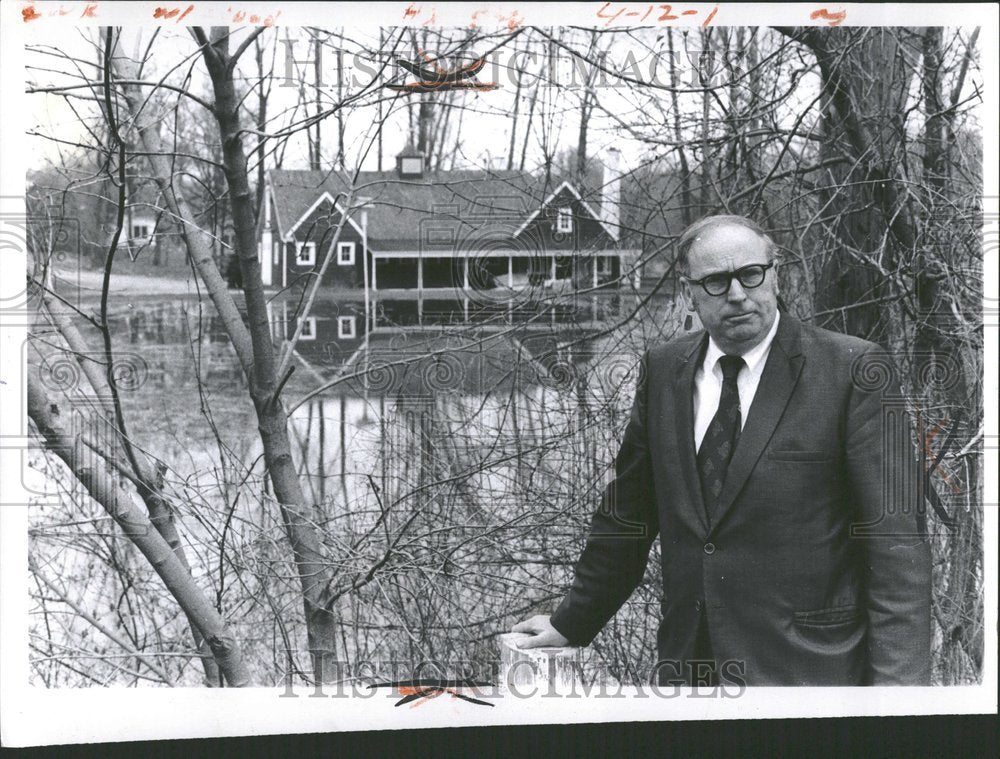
<point>410,163</point>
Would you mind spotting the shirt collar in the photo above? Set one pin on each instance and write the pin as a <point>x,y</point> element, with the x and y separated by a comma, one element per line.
<point>752,357</point>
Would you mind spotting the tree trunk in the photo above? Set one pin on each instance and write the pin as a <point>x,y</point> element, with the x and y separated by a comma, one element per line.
<point>102,485</point>
<point>866,90</point>
<point>314,571</point>
<point>148,480</point>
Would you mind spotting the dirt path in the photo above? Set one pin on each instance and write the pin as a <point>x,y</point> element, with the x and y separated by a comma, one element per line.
<point>136,285</point>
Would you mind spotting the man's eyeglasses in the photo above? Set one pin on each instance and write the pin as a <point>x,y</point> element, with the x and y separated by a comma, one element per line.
<point>718,284</point>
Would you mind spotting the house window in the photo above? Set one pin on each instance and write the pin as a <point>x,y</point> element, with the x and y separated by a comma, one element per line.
<point>346,327</point>
<point>305,253</point>
<point>345,253</point>
<point>308,331</point>
<point>564,220</point>
<point>140,231</point>
<point>275,253</point>
<point>604,266</point>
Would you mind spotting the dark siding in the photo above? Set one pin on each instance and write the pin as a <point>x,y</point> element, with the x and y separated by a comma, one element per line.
<point>319,228</point>
<point>587,231</point>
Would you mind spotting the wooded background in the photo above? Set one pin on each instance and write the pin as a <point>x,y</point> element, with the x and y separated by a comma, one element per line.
<point>859,149</point>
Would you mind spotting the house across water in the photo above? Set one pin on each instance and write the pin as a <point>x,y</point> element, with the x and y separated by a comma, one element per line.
<point>416,248</point>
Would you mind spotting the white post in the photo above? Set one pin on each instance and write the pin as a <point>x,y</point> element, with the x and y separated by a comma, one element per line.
<point>266,251</point>
<point>364,264</point>
<point>284,263</point>
<point>537,670</point>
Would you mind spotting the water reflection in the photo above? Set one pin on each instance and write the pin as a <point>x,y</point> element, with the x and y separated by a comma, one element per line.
<point>452,448</point>
<point>411,346</point>
<point>422,351</point>
<point>422,348</point>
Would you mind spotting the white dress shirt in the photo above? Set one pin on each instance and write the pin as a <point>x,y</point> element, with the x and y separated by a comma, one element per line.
<point>708,382</point>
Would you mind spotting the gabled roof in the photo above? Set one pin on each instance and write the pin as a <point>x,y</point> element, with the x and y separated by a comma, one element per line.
<point>553,195</point>
<point>481,204</point>
<point>324,197</point>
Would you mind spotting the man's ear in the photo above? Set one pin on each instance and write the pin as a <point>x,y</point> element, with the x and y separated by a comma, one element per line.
<point>688,294</point>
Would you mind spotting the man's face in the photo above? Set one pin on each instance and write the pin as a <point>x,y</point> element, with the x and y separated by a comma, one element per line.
<point>737,320</point>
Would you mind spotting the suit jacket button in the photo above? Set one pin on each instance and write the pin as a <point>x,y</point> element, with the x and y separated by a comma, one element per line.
<point>697,605</point>
<point>710,548</point>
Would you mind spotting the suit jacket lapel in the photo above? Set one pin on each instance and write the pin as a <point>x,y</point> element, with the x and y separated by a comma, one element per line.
<point>684,428</point>
<point>781,372</point>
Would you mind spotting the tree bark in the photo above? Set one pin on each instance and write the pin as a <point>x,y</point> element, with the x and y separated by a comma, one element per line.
<point>300,515</point>
<point>102,485</point>
<point>866,90</point>
<point>148,479</point>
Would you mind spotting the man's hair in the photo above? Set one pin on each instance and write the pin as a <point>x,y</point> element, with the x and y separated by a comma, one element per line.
<point>690,235</point>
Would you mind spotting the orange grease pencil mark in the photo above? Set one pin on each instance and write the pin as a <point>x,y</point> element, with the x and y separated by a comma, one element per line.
<point>239,16</point>
<point>610,13</point>
<point>600,14</point>
<point>29,14</point>
<point>513,22</point>
<point>835,19</point>
<point>90,11</point>
<point>424,693</point>
<point>927,437</point>
<point>667,15</point>
<point>172,12</point>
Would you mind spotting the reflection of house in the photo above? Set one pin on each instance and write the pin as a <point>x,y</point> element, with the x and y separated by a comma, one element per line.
<point>442,247</point>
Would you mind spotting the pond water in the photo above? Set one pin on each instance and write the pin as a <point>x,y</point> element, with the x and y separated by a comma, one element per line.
<point>466,458</point>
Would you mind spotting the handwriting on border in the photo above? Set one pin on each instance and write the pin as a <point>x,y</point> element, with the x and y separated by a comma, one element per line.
<point>655,14</point>
<point>30,13</point>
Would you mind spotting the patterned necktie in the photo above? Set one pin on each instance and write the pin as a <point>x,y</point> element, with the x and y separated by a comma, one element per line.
<point>722,435</point>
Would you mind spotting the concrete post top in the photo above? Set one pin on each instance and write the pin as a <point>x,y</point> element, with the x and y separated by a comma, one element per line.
<point>510,640</point>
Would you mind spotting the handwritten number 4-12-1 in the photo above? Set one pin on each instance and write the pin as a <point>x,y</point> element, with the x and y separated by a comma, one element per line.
<point>667,14</point>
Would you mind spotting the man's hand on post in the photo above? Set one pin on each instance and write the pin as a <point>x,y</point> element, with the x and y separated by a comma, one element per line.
<point>544,633</point>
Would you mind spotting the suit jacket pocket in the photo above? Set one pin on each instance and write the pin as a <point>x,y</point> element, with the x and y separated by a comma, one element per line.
<point>835,640</point>
<point>818,457</point>
<point>835,615</point>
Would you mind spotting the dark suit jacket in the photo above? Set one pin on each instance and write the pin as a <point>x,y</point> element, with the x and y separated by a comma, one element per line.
<point>814,570</point>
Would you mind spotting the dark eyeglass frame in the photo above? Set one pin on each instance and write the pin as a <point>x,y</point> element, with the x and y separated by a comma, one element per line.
<point>731,275</point>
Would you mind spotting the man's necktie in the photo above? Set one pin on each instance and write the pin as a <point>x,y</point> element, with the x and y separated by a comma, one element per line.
<point>722,435</point>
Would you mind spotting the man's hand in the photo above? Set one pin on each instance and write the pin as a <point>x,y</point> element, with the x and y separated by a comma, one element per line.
<point>544,633</point>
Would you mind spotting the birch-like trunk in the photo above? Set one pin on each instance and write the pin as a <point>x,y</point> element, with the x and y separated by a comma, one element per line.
<point>252,342</point>
<point>101,482</point>
<point>300,514</point>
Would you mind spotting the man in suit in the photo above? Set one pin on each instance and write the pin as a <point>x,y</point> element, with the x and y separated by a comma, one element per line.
<point>792,544</point>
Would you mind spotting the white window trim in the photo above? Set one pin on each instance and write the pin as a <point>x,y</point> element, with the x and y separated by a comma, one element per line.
<point>564,220</point>
<point>345,246</point>
<point>347,327</point>
<point>309,323</point>
<point>411,165</point>
<point>309,249</point>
